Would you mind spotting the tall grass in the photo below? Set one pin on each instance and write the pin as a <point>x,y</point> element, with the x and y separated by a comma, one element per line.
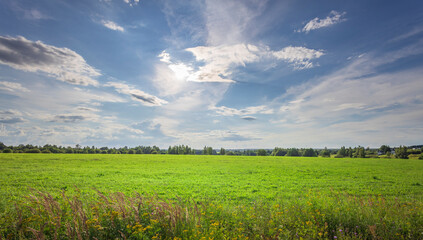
<point>337,215</point>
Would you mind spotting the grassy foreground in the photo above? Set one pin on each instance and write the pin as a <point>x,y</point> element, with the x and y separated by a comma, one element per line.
<point>209,197</point>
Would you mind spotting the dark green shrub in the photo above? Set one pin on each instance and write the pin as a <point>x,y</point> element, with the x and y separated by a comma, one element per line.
<point>7,150</point>
<point>34,150</point>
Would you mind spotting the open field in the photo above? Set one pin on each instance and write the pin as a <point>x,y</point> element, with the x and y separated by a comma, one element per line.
<point>254,197</point>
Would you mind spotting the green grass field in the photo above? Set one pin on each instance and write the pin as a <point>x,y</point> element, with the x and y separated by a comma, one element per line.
<point>354,198</point>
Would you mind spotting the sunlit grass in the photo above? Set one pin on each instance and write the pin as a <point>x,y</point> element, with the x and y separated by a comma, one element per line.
<point>215,197</point>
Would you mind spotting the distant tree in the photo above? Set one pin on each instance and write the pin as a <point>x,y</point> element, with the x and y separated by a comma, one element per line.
<point>361,153</point>
<point>350,152</point>
<point>131,151</point>
<point>309,152</point>
<point>33,150</point>
<point>69,150</point>
<point>222,151</point>
<point>2,146</point>
<point>230,153</point>
<point>401,152</point>
<point>261,152</point>
<point>292,152</point>
<point>278,152</point>
<point>384,149</point>
<point>342,152</point>
<point>325,152</point>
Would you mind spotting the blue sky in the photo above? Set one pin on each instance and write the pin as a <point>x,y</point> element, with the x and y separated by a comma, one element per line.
<point>233,74</point>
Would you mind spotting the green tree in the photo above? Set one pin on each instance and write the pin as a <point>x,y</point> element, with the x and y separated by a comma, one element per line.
<point>131,151</point>
<point>261,152</point>
<point>401,152</point>
<point>222,151</point>
<point>309,152</point>
<point>342,152</point>
<point>325,152</point>
<point>278,152</point>
<point>384,149</point>
<point>292,152</point>
<point>208,150</point>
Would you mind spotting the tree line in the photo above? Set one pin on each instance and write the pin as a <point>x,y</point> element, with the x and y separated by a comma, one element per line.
<point>384,151</point>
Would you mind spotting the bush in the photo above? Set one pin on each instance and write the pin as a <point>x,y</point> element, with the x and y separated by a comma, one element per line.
<point>421,156</point>
<point>45,151</point>
<point>7,150</point>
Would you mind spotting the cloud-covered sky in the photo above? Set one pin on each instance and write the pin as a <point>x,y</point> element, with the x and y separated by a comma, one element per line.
<point>233,74</point>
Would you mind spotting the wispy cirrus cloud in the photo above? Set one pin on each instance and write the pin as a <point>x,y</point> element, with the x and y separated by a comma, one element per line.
<point>231,22</point>
<point>316,23</point>
<point>137,95</point>
<point>112,25</point>
<point>357,101</point>
<point>27,13</point>
<point>12,87</point>
<point>227,111</point>
<point>62,64</point>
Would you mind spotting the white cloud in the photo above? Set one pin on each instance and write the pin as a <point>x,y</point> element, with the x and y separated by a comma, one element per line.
<point>226,111</point>
<point>30,14</point>
<point>219,60</point>
<point>137,95</point>
<point>12,87</point>
<point>11,117</point>
<point>357,102</point>
<point>132,2</point>
<point>333,18</point>
<point>112,25</point>
<point>164,57</point>
<point>61,63</point>
<point>300,56</point>
<point>231,22</point>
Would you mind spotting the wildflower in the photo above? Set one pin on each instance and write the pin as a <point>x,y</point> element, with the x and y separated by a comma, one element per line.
<point>335,237</point>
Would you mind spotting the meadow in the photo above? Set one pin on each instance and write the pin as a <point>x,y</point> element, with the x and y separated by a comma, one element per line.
<point>89,196</point>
